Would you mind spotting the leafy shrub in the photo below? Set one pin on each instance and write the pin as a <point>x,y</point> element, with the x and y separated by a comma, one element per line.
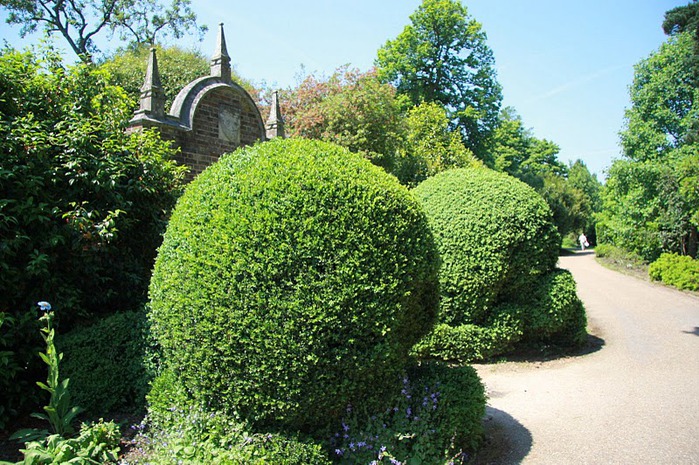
<point>468,342</point>
<point>106,363</point>
<point>193,434</point>
<point>680,271</point>
<point>95,443</point>
<point>498,281</point>
<point>436,419</point>
<point>495,236</point>
<point>552,311</point>
<point>293,280</point>
<point>82,204</point>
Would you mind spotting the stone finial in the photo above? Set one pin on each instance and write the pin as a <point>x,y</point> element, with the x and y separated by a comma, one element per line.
<point>275,122</point>
<point>221,62</point>
<point>152,94</point>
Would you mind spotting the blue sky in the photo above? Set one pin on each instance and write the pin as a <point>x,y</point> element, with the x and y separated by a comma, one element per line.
<point>564,66</point>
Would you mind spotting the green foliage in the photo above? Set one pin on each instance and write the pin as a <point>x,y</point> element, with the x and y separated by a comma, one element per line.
<point>676,270</point>
<point>107,363</point>
<point>293,280</point>
<point>436,419</point>
<point>96,443</point>
<point>495,238</point>
<point>498,281</point>
<point>442,57</point>
<point>80,23</point>
<point>191,434</point>
<point>552,311</point>
<point>650,204</point>
<point>644,210</point>
<point>14,360</point>
<point>429,147</point>
<point>177,68</point>
<point>352,109</point>
<point>82,204</point>
<point>60,412</point>
<point>470,343</point>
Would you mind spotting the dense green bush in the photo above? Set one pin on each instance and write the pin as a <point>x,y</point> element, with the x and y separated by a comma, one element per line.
<point>293,280</point>
<point>552,311</point>
<point>436,419</point>
<point>680,271</point>
<point>107,363</point>
<point>495,236</point>
<point>498,281</point>
<point>82,204</point>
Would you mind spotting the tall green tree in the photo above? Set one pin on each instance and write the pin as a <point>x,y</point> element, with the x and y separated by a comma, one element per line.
<point>649,202</point>
<point>79,22</point>
<point>442,57</point>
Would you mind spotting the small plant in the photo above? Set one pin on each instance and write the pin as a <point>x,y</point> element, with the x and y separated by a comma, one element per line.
<point>95,443</point>
<point>59,413</point>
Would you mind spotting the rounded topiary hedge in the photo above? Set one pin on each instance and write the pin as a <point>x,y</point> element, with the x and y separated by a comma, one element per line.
<point>495,235</point>
<point>293,279</point>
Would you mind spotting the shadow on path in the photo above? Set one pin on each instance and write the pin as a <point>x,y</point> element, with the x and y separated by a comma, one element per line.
<point>506,440</point>
<point>695,332</point>
<point>548,353</point>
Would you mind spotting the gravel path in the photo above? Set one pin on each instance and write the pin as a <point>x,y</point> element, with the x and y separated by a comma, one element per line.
<point>633,401</point>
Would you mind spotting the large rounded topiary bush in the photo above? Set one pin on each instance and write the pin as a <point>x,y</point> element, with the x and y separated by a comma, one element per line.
<point>498,282</point>
<point>293,279</point>
<point>495,236</point>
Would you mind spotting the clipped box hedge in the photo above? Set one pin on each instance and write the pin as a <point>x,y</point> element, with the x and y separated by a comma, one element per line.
<point>293,279</point>
<point>499,284</point>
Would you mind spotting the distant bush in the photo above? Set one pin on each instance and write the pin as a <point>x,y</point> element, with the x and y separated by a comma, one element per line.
<point>293,280</point>
<point>680,271</point>
<point>498,280</point>
<point>107,364</point>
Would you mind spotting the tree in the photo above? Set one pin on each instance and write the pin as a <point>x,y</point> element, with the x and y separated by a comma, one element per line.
<point>442,57</point>
<point>146,19</point>
<point>79,22</point>
<point>429,146</point>
<point>352,109</point>
<point>650,204</point>
<point>178,67</point>
<point>580,178</point>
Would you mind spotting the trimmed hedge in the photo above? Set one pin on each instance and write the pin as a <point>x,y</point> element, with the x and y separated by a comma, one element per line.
<point>680,271</point>
<point>498,282</point>
<point>495,235</point>
<point>107,363</point>
<point>293,280</point>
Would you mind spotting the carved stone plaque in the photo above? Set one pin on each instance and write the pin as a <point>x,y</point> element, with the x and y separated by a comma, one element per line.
<point>229,126</point>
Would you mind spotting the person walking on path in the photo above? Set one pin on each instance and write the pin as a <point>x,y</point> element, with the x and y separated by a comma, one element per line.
<point>583,241</point>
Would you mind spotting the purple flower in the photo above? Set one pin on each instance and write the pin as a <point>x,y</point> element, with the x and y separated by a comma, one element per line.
<point>339,452</point>
<point>345,427</point>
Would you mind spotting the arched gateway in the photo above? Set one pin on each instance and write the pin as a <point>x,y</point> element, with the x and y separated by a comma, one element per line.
<point>209,117</point>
